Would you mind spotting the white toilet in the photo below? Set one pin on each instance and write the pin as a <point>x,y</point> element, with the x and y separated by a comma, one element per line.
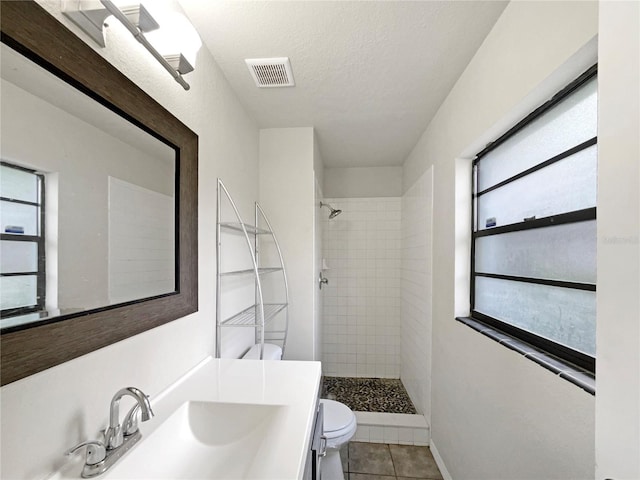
<point>339,427</point>
<point>339,421</point>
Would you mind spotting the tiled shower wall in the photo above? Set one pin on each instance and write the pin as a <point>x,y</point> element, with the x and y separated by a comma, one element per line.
<point>361,303</point>
<point>417,211</point>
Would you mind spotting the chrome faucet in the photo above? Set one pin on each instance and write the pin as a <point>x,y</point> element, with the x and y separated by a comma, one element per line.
<point>118,439</point>
<point>114,436</point>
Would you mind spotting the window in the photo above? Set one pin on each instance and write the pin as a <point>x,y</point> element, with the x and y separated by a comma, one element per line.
<point>533,261</point>
<point>22,258</point>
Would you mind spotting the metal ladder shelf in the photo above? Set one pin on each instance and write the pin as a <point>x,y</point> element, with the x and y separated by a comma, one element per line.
<point>242,227</point>
<point>260,315</point>
<point>261,271</point>
<point>247,317</point>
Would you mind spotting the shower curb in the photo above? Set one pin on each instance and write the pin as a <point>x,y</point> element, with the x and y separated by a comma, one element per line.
<point>394,428</point>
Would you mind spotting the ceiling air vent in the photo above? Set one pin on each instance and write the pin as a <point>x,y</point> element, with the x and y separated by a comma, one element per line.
<point>271,72</point>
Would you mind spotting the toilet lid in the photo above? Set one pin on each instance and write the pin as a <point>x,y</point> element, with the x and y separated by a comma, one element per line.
<point>337,416</point>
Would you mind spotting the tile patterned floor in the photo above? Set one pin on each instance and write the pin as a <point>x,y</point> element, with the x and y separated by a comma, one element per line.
<point>381,461</point>
<point>368,394</point>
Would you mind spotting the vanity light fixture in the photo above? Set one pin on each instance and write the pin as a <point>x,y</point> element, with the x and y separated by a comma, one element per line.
<point>137,20</point>
<point>90,16</point>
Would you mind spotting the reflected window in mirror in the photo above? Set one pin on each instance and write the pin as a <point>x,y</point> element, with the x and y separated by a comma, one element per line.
<point>22,244</point>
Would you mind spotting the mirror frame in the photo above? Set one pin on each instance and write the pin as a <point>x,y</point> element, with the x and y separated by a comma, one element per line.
<point>32,31</point>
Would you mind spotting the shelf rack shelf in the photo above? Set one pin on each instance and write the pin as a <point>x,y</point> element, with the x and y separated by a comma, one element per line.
<point>247,317</point>
<point>259,316</point>
<point>261,271</point>
<point>242,227</point>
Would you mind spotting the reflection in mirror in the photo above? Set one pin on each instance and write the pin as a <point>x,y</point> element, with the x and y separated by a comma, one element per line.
<point>87,201</point>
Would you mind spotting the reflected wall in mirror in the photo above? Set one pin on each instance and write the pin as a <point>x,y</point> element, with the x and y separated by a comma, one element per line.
<point>86,201</point>
<point>99,200</point>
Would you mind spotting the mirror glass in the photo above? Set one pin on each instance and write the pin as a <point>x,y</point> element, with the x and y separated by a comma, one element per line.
<point>87,202</point>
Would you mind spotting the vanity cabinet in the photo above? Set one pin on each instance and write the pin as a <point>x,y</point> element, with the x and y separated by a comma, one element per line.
<point>318,446</point>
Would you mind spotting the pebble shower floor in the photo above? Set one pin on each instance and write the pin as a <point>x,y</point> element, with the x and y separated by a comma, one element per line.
<point>386,395</point>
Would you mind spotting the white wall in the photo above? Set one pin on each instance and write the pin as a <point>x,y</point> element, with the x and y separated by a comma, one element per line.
<point>494,413</point>
<point>318,172</point>
<point>360,182</point>
<point>417,301</point>
<point>361,318</point>
<point>47,413</point>
<point>287,195</point>
<point>618,331</point>
<point>318,164</point>
<point>318,307</point>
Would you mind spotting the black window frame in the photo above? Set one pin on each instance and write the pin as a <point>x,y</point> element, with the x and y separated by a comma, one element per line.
<point>39,240</point>
<point>563,352</point>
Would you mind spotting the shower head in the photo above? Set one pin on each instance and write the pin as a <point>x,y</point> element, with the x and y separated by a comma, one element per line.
<point>334,213</point>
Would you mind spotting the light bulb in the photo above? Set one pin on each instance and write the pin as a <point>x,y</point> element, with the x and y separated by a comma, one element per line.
<point>176,35</point>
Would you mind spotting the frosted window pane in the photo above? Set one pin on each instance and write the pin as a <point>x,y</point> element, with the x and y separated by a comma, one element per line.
<point>18,185</point>
<point>20,215</point>
<point>564,315</point>
<point>17,257</point>
<point>565,186</point>
<point>564,252</point>
<point>18,292</point>
<point>568,124</point>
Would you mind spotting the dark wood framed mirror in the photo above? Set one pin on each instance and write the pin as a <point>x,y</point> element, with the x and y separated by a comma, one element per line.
<point>30,30</point>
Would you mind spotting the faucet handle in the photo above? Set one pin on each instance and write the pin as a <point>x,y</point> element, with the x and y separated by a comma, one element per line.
<point>113,436</point>
<point>96,451</point>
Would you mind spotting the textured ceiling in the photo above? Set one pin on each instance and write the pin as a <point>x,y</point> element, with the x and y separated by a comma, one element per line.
<point>369,75</point>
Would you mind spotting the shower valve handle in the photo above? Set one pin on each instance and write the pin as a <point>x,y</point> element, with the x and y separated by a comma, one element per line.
<point>322,281</point>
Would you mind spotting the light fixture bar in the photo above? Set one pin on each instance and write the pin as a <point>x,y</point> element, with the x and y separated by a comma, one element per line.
<point>138,35</point>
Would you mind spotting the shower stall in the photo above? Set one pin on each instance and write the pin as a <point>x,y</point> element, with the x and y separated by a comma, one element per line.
<point>376,320</point>
<point>361,303</point>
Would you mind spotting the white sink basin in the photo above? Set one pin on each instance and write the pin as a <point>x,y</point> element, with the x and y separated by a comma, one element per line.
<point>209,440</point>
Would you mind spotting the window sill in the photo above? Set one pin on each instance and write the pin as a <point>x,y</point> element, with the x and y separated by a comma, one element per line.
<point>571,373</point>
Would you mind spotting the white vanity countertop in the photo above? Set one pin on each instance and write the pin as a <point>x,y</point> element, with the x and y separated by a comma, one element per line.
<point>292,384</point>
